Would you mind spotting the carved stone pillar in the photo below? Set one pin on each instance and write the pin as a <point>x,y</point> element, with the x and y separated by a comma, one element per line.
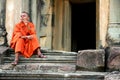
<point>13,10</point>
<point>34,11</point>
<point>58,25</point>
<point>67,26</point>
<point>3,39</point>
<point>25,5</point>
<point>35,15</point>
<point>2,12</point>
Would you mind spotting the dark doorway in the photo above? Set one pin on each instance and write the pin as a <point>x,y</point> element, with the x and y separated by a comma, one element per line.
<point>83,29</point>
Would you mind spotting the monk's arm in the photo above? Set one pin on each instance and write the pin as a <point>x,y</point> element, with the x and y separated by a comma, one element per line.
<point>32,33</point>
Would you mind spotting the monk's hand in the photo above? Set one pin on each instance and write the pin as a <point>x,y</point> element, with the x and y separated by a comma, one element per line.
<point>29,37</point>
<point>24,37</point>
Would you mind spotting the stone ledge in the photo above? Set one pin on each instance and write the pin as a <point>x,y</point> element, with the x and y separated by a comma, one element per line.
<point>3,50</point>
<point>51,76</point>
<point>49,67</point>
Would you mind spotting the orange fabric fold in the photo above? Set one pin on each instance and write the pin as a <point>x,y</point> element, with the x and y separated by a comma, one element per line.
<point>25,46</point>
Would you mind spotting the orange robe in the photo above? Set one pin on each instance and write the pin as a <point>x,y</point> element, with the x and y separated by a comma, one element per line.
<point>25,46</point>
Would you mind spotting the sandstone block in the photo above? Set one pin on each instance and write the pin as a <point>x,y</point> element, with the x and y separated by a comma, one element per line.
<point>91,60</point>
<point>113,61</point>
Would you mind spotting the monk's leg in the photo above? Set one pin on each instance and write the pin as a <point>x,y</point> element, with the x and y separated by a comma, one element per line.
<point>38,51</point>
<point>18,49</point>
<point>36,47</point>
<point>16,59</point>
<point>40,55</point>
<point>16,56</point>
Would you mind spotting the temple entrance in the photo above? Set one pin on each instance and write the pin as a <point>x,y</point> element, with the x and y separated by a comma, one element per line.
<point>83,26</point>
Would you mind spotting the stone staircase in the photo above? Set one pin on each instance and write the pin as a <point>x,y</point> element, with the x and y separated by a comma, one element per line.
<point>56,61</point>
<point>52,57</point>
<point>59,65</point>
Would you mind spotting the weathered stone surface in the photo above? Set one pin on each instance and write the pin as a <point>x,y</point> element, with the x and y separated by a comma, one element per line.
<point>34,68</point>
<point>82,75</point>
<point>91,60</point>
<point>113,62</point>
<point>6,67</point>
<point>3,50</point>
<point>49,67</point>
<point>115,75</point>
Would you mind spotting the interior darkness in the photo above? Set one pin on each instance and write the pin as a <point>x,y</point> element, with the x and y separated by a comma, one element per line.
<point>83,20</point>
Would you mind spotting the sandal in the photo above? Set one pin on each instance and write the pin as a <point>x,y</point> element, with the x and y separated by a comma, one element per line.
<point>14,63</point>
<point>41,56</point>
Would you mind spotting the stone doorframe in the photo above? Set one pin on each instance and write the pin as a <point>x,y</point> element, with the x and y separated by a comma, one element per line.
<point>62,29</point>
<point>67,26</point>
<point>62,25</point>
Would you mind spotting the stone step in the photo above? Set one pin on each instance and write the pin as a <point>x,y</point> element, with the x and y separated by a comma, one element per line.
<point>82,75</point>
<point>49,56</point>
<point>40,61</point>
<point>49,59</point>
<point>52,57</point>
<point>39,67</point>
<point>53,53</point>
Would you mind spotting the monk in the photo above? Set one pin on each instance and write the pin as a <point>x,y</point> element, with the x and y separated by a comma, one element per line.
<point>24,40</point>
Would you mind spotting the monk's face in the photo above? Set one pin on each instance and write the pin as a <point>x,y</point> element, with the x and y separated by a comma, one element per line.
<point>24,17</point>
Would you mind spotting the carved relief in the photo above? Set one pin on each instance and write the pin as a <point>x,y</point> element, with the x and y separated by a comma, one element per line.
<point>45,12</point>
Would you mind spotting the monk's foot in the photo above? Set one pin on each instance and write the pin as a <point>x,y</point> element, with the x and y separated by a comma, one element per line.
<point>14,63</point>
<point>41,56</point>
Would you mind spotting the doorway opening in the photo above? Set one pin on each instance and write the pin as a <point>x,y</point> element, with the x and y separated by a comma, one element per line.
<point>83,26</point>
